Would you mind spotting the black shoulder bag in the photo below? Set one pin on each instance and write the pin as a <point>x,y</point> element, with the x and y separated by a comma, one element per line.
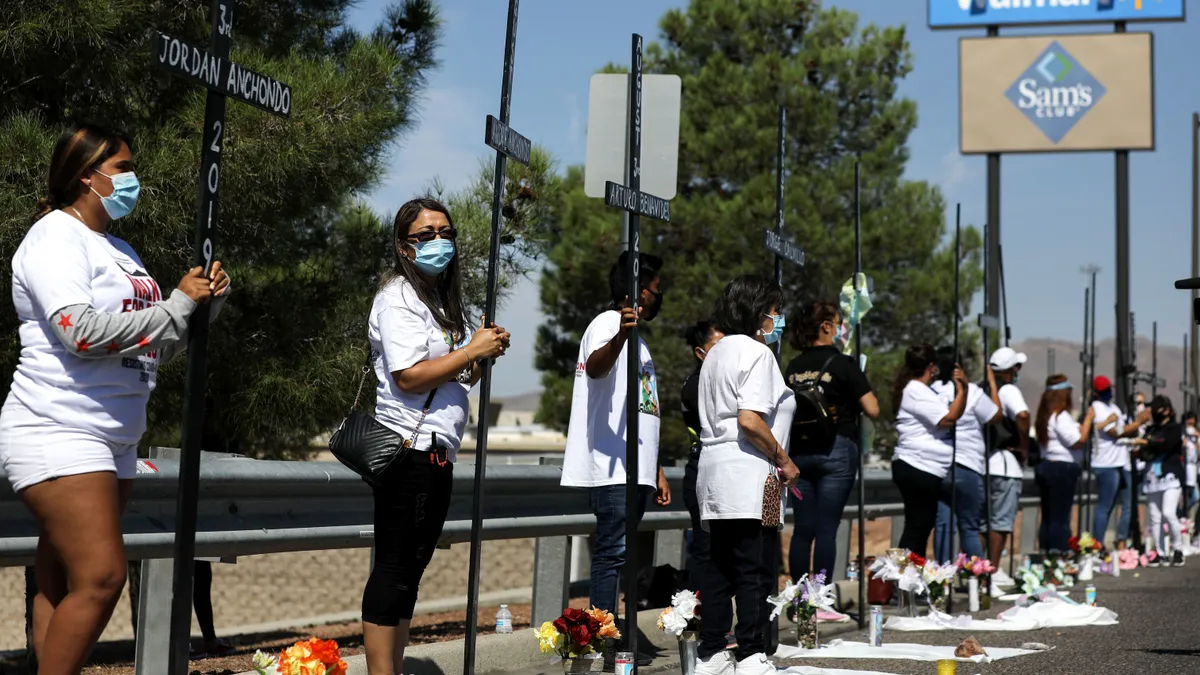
<point>367,447</point>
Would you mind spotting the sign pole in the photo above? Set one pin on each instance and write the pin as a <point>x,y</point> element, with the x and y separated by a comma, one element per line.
<point>989,430</point>
<point>862,449</point>
<point>954,429</point>
<point>780,160</point>
<point>1084,477</point>
<point>507,143</point>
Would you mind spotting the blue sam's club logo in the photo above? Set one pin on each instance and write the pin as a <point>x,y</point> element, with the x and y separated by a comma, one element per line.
<point>1055,92</point>
<point>964,13</point>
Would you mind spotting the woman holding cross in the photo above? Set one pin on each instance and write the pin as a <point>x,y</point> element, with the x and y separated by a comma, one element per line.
<point>94,329</point>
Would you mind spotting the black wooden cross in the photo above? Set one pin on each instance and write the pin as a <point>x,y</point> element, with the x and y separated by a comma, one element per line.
<point>630,198</point>
<point>223,78</point>
<point>508,144</point>
<point>775,242</point>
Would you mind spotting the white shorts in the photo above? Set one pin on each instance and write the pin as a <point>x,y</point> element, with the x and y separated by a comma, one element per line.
<point>34,450</point>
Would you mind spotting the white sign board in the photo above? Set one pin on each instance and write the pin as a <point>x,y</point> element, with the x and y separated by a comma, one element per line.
<point>608,106</point>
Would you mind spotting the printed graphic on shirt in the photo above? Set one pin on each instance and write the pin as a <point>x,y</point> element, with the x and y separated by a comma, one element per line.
<point>146,294</point>
<point>649,393</point>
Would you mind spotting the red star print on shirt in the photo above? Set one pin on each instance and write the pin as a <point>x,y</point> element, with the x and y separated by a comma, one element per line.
<point>65,322</point>
<point>113,347</point>
<point>82,345</point>
<point>143,342</point>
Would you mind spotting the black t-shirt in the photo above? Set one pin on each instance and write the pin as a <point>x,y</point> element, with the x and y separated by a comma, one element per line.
<point>690,398</point>
<point>1165,444</point>
<point>843,384</point>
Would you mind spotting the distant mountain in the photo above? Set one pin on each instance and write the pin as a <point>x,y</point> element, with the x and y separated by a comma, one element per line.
<point>1066,361</point>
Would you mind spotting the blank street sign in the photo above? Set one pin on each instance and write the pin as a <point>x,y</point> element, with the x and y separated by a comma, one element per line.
<point>989,321</point>
<point>608,104</point>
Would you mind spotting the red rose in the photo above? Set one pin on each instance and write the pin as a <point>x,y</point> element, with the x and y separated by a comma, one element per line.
<point>578,625</point>
<point>916,560</point>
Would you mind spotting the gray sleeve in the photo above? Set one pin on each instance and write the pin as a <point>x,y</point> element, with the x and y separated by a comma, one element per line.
<point>90,334</point>
<point>177,347</point>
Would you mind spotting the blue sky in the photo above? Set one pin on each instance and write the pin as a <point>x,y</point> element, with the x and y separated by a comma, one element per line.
<point>1057,211</point>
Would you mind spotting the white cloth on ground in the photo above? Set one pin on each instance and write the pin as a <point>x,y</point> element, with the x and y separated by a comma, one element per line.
<point>1050,614</point>
<point>843,649</point>
<point>810,670</point>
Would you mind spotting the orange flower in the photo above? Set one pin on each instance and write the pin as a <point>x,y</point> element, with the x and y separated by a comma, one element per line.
<point>312,657</point>
<point>608,625</point>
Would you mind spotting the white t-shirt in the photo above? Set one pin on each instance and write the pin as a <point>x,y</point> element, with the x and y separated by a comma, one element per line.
<point>595,452</point>
<point>1062,432</point>
<point>403,333</point>
<point>971,449</point>
<point>920,442</point>
<point>1004,463</point>
<point>60,263</point>
<point>739,373</point>
<point>1108,453</point>
<point>1192,455</point>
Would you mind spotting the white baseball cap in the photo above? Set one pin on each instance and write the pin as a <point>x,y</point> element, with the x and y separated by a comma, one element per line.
<point>1006,358</point>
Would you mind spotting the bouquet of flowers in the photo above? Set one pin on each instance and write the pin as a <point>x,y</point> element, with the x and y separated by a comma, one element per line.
<point>309,657</point>
<point>973,567</point>
<point>937,578</point>
<point>577,633</point>
<point>1084,544</point>
<point>683,615</point>
<point>802,600</point>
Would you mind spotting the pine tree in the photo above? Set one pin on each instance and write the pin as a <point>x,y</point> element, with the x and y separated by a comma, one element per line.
<point>739,60</point>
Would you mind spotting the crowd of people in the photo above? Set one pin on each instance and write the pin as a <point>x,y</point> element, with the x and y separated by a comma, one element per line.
<point>94,329</point>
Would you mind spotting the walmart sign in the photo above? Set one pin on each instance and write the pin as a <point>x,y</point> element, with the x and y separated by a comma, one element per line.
<point>982,13</point>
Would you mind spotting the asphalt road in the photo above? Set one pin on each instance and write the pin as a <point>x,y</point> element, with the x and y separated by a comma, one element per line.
<point>1158,634</point>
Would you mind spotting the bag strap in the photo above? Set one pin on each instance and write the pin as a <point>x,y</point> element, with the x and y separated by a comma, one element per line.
<point>825,368</point>
<point>362,379</point>
<point>366,368</point>
<point>412,442</point>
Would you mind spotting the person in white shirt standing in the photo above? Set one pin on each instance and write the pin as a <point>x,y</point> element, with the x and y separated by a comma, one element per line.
<point>746,412</point>
<point>94,330</point>
<point>969,455</point>
<point>923,452</point>
<point>1009,453</point>
<point>1110,461</point>
<point>1191,441</point>
<point>595,452</point>
<point>426,359</point>
<point>1062,440</point>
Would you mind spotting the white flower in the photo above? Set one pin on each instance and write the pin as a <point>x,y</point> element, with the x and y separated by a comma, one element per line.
<point>911,581</point>
<point>885,569</point>
<point>820,596</point>
<point>674,623</point>
<point>685,602</point>
<point>264,663</point>
<point>783,598</point>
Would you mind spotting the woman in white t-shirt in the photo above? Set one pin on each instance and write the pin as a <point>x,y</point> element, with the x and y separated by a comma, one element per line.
<point>923,452</point>
<point>426,360</point>
<point>1061,440</point>
<point>746,412</point>
<point>94,329</point>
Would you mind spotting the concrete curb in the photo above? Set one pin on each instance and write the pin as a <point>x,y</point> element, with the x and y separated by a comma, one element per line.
<point>518,653</point>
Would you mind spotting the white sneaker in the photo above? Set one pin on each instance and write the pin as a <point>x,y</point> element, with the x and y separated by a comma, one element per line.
<point>998,592</point>
<point>758,664</point>
<point>721,663</point>
<point>1001,578</point>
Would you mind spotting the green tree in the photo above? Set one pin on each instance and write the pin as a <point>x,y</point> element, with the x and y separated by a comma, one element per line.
<point>304,254</point>
<point>740,60</point>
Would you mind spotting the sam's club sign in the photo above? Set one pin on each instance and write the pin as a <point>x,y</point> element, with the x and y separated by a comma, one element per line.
<point>982,13</point>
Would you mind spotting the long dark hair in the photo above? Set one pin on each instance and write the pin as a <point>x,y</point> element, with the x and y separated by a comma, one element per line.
<point>815,313</point>
<point>744,304</point>
<point>79,151</point>
<point>1053,402</point>
<point>699,334</point>
<point>916,359</point>
<point>444,296</point>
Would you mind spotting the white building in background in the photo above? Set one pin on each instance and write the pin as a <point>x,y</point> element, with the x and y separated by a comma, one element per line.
<point>513,437</point>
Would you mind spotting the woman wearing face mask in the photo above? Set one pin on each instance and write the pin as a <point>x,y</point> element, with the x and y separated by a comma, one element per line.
<point>94,329</point>
<point>746,414</point>
<point>426,359</point>
<point>701,338</point>
<point>1162,450</point>
<point>1062,440</point>
<point>828,463</point>
<point>1110,461</point>
<point>923,452</point>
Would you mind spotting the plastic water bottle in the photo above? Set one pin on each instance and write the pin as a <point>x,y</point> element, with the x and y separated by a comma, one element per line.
<point>504,620</point>
<point>852,571</point>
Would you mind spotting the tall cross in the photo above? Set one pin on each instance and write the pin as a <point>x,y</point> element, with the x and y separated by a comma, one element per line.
<point>508,144</point>
<point>223,78</point>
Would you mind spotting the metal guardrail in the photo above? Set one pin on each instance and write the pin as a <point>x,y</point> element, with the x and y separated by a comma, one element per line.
<point>250,507</point>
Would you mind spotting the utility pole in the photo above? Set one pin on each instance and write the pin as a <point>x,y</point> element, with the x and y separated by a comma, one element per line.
<point>1194,344</point>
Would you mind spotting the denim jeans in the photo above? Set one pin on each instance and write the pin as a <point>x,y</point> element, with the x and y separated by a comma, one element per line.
<point>1056,482</point>
<point>969,517</point>
<point>826,481</point>
<point>1113,485</point>
<point>608,554</point>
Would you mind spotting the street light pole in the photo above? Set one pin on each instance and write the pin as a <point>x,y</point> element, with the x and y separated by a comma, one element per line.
<point>1194,361</point>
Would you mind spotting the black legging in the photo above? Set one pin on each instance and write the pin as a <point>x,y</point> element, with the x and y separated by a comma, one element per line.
<point>202,599</point>
<point>410,510</point>
<point>920,491</point>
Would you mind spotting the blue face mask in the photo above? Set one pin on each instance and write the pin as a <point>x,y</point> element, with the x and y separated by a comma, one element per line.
<point>1104,396</point>
<point>124,195</point>
<point>777,332</point>
<point>433,256</point>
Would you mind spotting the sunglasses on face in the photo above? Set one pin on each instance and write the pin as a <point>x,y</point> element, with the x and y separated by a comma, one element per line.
<point>429,235</point>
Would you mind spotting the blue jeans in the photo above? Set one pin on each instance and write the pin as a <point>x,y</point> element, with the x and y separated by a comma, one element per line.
<point>1056,482</point>
<point>1113,485</point>
<point>970,506</point>
<point>825,481</point>
<point>608,554</point>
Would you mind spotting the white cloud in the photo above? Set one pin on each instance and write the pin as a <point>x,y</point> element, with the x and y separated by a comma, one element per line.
<point>446,144</point>
<point>954,171</point>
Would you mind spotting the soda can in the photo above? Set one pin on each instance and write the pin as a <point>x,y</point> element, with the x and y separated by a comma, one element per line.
<point>624,663</point>
<point>876,625</point>
<point>1090,594</point>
